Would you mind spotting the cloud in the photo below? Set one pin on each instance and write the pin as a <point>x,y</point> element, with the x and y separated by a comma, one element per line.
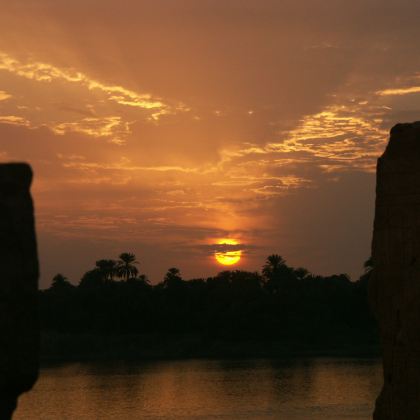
<point>14,120</point>
<point>45,72</point>
<point>111,127</point>
<point>212,248</point>
<point>4,95</point>
<point>68,100</point>
<point>399,91</point>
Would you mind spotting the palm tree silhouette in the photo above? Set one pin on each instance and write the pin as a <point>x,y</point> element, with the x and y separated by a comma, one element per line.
<point>108,268</point>
<point>172,278</point>
<point>272,265</point>
<point>126,267</point>
<point>277,274</point>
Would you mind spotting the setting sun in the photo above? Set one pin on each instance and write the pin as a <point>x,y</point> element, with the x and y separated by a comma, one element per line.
<point>226,256</point>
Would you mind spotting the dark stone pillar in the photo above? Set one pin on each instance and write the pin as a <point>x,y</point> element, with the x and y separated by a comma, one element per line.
<point>19,331</point>
<point>395,285</point>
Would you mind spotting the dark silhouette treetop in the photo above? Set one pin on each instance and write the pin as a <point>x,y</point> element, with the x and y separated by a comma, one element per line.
<point>126,265</point>
<point>281,303</point>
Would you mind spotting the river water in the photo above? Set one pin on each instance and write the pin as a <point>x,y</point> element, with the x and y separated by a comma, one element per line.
<point>309,389</point>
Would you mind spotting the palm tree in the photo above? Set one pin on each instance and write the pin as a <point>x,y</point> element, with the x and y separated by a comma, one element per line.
<point>126,267</point>
<point>278,275</point>
<point>108,268</point>
<point>273,265</point>
<point>92,279</point>
<point>172,278</point>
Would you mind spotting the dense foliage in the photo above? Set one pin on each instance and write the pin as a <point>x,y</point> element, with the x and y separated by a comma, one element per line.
<point>281,303</point>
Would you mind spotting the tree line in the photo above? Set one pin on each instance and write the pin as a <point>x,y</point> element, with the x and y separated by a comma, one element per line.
<point>280,303</point>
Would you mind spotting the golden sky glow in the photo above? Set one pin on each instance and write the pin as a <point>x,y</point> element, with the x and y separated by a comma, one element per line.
<point>153,126</point>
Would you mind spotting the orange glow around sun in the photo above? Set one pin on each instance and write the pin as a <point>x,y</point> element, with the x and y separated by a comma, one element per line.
<point>228,257</point>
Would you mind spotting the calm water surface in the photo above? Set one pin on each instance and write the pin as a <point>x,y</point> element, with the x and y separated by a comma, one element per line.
<point>206,389</point>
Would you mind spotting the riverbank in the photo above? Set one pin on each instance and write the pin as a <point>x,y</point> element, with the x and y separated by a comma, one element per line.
<point>87,347</point>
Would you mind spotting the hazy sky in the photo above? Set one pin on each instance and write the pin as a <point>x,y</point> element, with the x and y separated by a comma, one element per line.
<point>160,127</point>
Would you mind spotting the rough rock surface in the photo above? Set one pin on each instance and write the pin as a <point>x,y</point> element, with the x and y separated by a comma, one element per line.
<point>19,336</point>
<point>395,284</point>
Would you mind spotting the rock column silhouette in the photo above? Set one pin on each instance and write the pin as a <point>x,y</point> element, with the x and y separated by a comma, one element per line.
<point>395,285</point>
<point>19,332</point>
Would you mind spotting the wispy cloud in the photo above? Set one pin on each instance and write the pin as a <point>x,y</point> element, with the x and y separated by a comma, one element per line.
<point>70,101</point>
<point>45,72</point>
<point>4,95</point>
<point>124,164</point>
<point>399,91</point>
<point>111,127</point>
<point>14,120</point>
<point>348,134</point>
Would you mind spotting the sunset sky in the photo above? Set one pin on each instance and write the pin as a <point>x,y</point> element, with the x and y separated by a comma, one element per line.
<point>160,127</point>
